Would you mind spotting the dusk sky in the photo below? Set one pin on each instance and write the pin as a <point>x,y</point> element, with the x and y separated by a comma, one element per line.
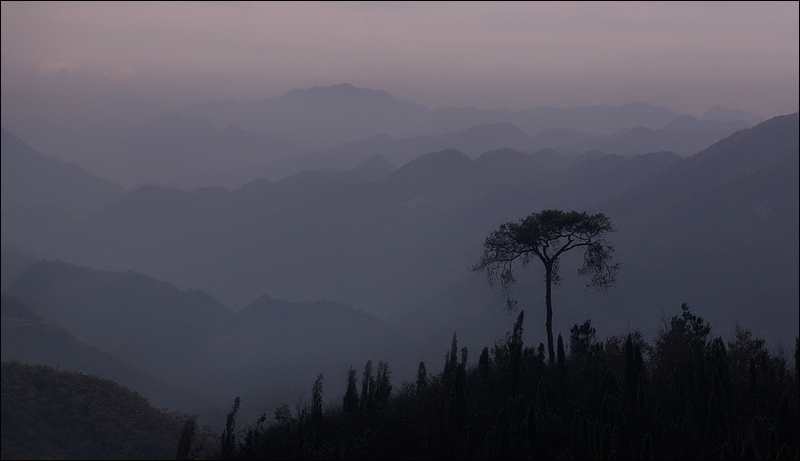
<point>142,59</point>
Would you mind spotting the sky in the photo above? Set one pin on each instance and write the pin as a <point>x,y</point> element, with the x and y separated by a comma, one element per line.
<point>136,59</point>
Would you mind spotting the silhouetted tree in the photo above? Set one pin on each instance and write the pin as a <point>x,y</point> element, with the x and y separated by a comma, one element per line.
<point>367,387</point>
<point>228,438</point>
<point>619,406</point>
<point>422,378</point>
<point>185,443</point>
<point>383,386</point>
<point>350,401</point>
<point>484,366</point>
<point>547,235</point>
<point>582,343</point>
<point>316,399</point>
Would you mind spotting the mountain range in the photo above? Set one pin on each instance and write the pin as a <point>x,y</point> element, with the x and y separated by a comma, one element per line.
<point>229,143</point>
<point>30,179</point>
<point>223,290</point>
<point>172,345</point>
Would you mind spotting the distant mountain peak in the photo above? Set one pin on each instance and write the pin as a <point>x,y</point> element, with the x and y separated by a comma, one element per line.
<point>340,90</point>
<point>682,122</point>
<point>444,156</point>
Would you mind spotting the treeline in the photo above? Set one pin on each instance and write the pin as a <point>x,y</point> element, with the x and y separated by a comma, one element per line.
<point>688,395</point>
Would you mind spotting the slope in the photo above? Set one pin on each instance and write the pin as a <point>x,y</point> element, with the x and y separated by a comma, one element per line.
<point>30,179</point>
<point>28,339</point>
<point>51,414</point>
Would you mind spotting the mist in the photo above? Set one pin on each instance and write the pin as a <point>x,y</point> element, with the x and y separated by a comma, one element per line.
<point>209,201</point>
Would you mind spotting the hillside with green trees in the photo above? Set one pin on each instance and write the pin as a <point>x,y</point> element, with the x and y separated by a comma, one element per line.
<point>687,394</point>
<point>57,414</point>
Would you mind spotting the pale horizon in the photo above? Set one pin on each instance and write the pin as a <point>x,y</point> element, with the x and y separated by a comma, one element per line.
<point>98,60</point>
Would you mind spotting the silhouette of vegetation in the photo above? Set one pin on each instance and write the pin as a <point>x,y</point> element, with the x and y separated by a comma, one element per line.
<point>548,235</point>
<point>686,395</point>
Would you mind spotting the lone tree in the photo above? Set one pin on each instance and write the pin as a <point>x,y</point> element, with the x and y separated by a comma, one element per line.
<point>548,235</point>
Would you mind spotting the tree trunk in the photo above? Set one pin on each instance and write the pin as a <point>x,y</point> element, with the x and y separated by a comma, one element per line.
<point>549,324</point>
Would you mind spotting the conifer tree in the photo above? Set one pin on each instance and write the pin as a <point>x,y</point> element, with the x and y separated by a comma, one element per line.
<point>316,399</point>
<point>451,359</point>
<point>422,378</point>
<point>561,356</point>
<point>367,388</point>
<point>514,345</point>
<point>484,365</point>
<point>383,386</point>
<point>185,443</point>
<point>350,401</point>
<point>561,362</point>
<point>228,438</point>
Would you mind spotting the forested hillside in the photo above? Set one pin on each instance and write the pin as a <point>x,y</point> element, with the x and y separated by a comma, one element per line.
<point>57,414</point>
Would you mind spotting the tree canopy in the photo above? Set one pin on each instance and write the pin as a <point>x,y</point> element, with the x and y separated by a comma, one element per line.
<point>546,236</point>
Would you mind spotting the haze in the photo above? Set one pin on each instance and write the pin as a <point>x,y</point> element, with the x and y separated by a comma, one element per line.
<point>209,200</point>
<point>137,60</point>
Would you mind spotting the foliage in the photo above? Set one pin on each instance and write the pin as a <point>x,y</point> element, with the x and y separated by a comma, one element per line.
<point>546,236</point>
<point>619,399</point>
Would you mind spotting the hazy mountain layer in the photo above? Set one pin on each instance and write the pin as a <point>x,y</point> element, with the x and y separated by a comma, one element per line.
<point>170,150</point>
<point>27,338</point>
<point>230,143</point>
<point>30,179</point>
<point>334,115</point>
<point>685,135</point>
<point>264,353</point>
<point>717,230</point>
